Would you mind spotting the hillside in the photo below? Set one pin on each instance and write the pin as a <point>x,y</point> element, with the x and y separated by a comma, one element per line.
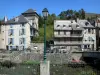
<point>49,29</point>
<point>49,34</point>
<point>91,15</point>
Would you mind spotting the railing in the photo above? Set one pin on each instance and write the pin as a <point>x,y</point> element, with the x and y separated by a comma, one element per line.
<point>69,35</point>
<point>69,42</point>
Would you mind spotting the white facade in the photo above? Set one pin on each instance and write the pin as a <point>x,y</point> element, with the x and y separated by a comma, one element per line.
<point>67,35</point>
<point>74,34</point>
<point>89,36</point>
<point>17,33</point>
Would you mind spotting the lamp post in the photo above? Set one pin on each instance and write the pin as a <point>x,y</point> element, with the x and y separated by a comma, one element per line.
<point>45,15</point>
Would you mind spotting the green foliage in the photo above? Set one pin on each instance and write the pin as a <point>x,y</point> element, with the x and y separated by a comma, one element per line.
<point>72,14</point>
<point>29,62</point>
<point>64,15</point>
<point>8,64</point>
<point>49,34</point>
<point>87,73</point>
<point>40,21</point>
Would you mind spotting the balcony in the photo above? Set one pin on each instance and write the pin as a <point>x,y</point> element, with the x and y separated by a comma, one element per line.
<point>68,43</point>
<point>70,35</point>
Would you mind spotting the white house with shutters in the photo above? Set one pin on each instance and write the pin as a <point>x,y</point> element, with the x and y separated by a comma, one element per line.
<point>17,33</point>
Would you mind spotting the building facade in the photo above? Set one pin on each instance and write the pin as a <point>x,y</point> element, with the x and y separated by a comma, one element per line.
<point>67,34</point>
<point>75,35</point>
<point>89,36</point>
<point>17,33</point>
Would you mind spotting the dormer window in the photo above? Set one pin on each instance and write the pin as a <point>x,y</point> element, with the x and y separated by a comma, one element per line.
<point>70,25</point>
<point>64,25</point>
<point>71,21</point>
<point>86,23</point>
<point>58,25</point>
<point>77,26</point>
<point>23,25</point>
<point>16,19</point>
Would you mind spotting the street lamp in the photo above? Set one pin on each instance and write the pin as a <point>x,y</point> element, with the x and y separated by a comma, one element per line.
<point>45,15</point>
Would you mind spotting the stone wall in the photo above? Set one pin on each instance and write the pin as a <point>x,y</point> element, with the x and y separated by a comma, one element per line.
<point>58,58</point>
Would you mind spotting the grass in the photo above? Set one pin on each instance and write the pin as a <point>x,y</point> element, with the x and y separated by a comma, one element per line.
<point>55,69</point>
<point>30,62</point>
<point>49,34</point>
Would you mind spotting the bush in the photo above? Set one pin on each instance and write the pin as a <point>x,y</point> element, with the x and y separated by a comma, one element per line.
<point>30,62</point>
<point>8,64</point>
<point>87,73</point>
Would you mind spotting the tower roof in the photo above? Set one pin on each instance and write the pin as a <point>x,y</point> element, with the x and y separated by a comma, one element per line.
<point>30,11</point>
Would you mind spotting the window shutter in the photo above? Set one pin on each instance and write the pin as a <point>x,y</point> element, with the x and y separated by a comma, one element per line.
<point>8,40</point>
<point>12,41</point>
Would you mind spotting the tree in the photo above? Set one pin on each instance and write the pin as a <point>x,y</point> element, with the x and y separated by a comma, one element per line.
<point>71,14</point>
<point>40,21</point>
<point>82,14</point>
<point>63,15</point>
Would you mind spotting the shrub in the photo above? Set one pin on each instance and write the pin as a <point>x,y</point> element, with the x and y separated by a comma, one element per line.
<point>87,73</point>
<point>30,62</point>
<point>8,64</point>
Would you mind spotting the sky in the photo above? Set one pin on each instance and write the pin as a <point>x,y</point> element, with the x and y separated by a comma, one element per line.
<point>13,8</point>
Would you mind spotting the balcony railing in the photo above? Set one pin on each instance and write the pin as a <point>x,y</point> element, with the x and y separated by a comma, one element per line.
<point>69,35</point>
<point>68,42</point>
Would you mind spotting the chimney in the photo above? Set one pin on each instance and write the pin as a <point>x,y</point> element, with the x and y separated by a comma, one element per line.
<point>77,19</point>
<point>5,19</point>
<point>16,19</point>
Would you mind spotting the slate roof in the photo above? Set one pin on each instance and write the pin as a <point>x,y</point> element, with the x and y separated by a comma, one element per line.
<point>29,11</point>
<point>21,19</point>
<point>82,23</point>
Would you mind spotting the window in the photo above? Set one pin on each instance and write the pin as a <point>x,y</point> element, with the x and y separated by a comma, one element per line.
<point>22,40</point>
<point>86,23</point>
<point>10,47</point>
<point>58,32</point>
<point>11,26</point>
<point>77,26</point>
<point>11,32</point>
<point>69,25</point>
<point>23,25</point>
<point>92,31</point>
<point>71,21</point>
<point>22,32</point>
<point>32,23</point>
<point>64,25</point>
<point>85,46</point>
<point>64,39</point>
<point>11,40</point>
<point>89,30</point>
<point>64,32</point>
<point>88,46</point>
<point>58,25</point>
<point>58,40</point>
